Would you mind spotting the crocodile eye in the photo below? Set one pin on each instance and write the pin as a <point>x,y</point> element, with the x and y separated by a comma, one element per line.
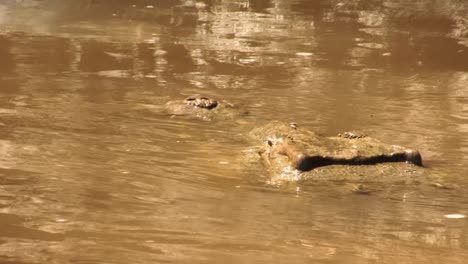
<point>270,142</point>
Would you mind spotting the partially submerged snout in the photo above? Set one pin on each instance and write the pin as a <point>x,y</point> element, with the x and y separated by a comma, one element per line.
<point>335,151</point>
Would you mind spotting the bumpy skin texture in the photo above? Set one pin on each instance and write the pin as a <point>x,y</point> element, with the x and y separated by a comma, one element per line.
<point>201,102</point>
<point>204,108</point>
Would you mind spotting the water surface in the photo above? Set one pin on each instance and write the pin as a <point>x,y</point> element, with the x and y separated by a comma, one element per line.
<point>91,171</point>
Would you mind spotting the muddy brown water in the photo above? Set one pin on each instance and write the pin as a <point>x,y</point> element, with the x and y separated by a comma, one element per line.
<point>92,172</point>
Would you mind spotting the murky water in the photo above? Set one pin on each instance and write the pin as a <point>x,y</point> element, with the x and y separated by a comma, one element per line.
<point>91,171</point>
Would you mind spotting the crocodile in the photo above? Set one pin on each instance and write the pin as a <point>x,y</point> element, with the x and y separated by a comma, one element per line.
<point>306,150</point>
<point>289,153</point>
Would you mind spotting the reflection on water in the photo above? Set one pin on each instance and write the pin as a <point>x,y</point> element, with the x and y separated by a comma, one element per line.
<point>91,171</point>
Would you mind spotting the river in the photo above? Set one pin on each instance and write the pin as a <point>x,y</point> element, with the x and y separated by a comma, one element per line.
<point>92,171</point>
